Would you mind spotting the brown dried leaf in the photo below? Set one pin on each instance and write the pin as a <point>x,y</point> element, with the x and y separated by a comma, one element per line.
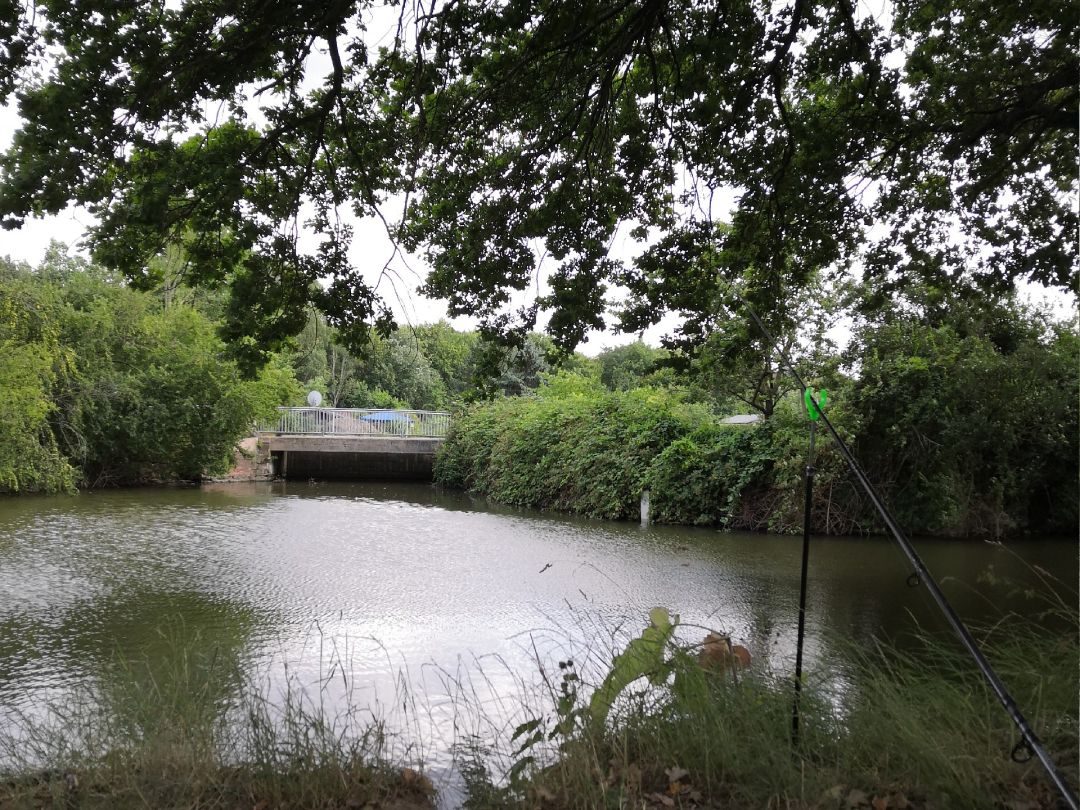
<point>417,780</point>
<point>544,795</point>
<point>675,773</point>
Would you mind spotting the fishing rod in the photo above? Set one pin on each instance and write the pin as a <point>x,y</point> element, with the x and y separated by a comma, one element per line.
<point>1029,742</point>
<point>814,413</point>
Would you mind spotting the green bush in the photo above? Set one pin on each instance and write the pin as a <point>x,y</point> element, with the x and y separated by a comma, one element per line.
<point>971,431</point>
<point>33,364</point>
<point>965,421</point>
<point>573,446</point>
<point>700,479</point>
<point>106,385</point>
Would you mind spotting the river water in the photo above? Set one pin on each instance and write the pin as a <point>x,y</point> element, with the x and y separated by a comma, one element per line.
<point>426,606</point>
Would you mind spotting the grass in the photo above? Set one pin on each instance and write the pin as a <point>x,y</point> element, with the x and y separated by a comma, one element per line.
<point>200,736</point>
<point>918,729</point>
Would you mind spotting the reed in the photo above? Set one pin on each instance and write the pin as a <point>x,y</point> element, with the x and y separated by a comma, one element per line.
<point>200,735</point>
<point>917,728</point>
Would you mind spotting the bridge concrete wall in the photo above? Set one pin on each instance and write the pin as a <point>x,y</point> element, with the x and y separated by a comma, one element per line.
<point>353,457</point>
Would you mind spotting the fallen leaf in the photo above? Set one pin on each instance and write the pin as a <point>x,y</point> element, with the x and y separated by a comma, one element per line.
<point>544,795</point>
<point>880,803</point>
<point>857,798</point>
<point>675,773</point>
<point>835,792</point>
<point>417,780</point>
<point>667,801</point>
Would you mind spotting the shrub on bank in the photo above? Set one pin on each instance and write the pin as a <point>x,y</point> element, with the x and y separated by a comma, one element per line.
<point>573,447</point>
<point>699,479</point>
<point>970,469</point>
<point>577,447</point>
<point>105,385</point>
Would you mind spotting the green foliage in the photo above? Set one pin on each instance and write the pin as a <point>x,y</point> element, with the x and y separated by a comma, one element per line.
<point>700,479</point>
<point>398,366</point>
<point>360,395</point>
<point>969,429</point>
<point>32,362</point>
<point>573,446</point>
<point>29,458</point>
<point>644,657</point>
<point>526,134</point>
<point>107,386</point>
<point>426,367</point>
<point>916,726</point>
<point>451,354</point>
<point>963,414</point>
<point>513,368</point>
<point>629,366</point>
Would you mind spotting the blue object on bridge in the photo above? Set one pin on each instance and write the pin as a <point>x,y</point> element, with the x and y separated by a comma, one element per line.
<point>385,416</point>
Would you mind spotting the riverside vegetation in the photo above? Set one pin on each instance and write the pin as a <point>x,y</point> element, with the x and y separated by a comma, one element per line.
<point>527,138</point>
<point>966,422</point>
<point>108,385</point>
<point>194,732</point>
<point>962,409</point>
<point>919,729</point>
<point>914,727</point>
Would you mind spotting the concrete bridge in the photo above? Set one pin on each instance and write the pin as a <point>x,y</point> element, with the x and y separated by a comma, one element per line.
<point>337,443</point>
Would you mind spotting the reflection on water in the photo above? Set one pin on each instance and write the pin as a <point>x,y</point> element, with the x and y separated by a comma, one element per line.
<point>370,592</point>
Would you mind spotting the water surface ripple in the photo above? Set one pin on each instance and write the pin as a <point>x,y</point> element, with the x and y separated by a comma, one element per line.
<point>356,589</point>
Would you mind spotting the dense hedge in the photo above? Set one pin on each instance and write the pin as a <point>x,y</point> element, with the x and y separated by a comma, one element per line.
<point>581,449</point>
<point>576,447</point>
<point>700,479</point>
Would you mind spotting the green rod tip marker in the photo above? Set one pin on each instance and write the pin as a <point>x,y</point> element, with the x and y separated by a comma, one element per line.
<point>811,409</point>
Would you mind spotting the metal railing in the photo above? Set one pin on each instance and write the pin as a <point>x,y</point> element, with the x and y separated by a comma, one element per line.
<point>374,422</point>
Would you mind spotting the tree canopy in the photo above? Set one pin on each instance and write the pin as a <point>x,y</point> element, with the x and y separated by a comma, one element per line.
<point>930,143</point>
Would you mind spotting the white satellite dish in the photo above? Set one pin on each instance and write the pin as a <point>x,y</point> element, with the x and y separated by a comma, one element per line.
<point>314,399</point>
